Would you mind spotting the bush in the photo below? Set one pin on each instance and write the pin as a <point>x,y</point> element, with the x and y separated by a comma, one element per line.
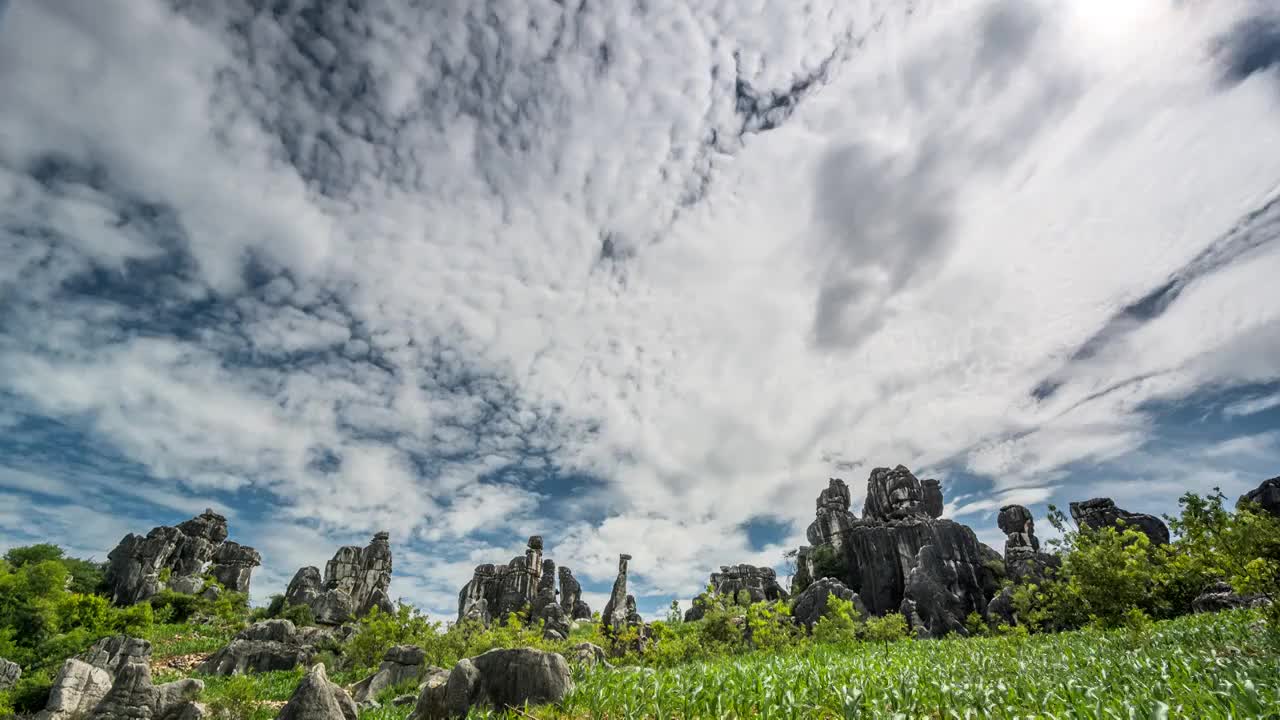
<point>839,624</point>
<point>827,563</point>
<point>299,615</point>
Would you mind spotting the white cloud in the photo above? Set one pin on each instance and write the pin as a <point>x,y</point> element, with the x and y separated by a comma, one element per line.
<point>564,238</point>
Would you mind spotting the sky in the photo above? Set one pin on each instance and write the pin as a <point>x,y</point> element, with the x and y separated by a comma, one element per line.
<point>634,276</point>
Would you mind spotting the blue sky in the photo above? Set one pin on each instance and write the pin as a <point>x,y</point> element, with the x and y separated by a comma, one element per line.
<point>636,278</point>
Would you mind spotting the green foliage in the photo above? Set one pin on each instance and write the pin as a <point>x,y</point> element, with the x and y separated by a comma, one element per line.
<point>673,613</point>
<point>378,631</point>
<point>890,628</point>
<point>299,615</point>
<point>236,699</point>
<point>827,563</point>
<point>839,624</point>
<point>769,626</point>
<point>176,607</point>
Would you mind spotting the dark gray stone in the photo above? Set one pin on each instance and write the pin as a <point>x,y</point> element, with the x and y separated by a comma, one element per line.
<point>233,565</point>
<point>1266,496</point>
<point>267,646</point>
<point>832,516</point>
<point>133,697</point>
<point>356,580</point>
<point>1220,596</point>
<point>136,563</point>
<point>431,695</point>
<point>507,677</point>
<point>400,664</point>
<point>1100,513</point>
<point>811,604</point>
<point>932,493</point>
<point>894,495</point>
<point>614,617</point>
<point>111,653</point>
<point>10,673</point>
<point>462,690</point>
<point>571,596</point>
<point>929,603</point>
<point>316,698</point>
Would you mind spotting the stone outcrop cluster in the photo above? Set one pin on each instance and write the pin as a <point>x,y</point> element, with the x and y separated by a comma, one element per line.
<point>355,581</point>
<point>900,556</point>
<point>495,591</point>
<point>1266,496</point>
<point>1099,513</point>
<point>760,584</point>
<point>1023,561</point>
<point>499,679</point>
<point>400,664</point>
<point>112,681</point>
<point>185,554</point>
<point>272,645</point>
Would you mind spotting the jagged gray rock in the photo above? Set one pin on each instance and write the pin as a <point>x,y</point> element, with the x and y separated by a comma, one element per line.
<point>759,583</point>
<point>496,591</point>
<point>77,690</point>
<point>136,563</point>
<point>810,605</point>
<point>400,664</point>
<point>589,654</point>
<point>931,491</point>
<point>571,596</point>
<point>10,673</point>
<point>316,698</point>
<point>233,565</point>
<point>1266,495</point>
<point>432,695</point>
<point>133,697</point>
<point>111,653</point>
<point>614,616</point>
<point>505,677</point>
<point>1221,596</point>
<point>874,556</point>
<point>356,580</point>
<point>1099,513</point>
<point>1019,527</point>
<point>929,603</point>
<point>270,645</point>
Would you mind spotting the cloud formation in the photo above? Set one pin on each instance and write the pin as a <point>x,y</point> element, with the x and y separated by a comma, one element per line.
<point>635,277</point>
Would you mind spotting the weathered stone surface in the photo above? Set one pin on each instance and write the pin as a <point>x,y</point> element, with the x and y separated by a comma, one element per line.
<point>1102,512</point>
<point>401,663</point>
<point>1220,596</point>
<point>431,695</point>
<point>894,495</point>
<point>356,580</point>
<point>571,596</point>
<point>589,654</point>
<point>931,490</point>
<point>759,583</point>
<point>876,554</point>
<point>929,603</point>
<point>233,565</point>
<point>832,516</point>
<point>10,673</point>
<point>614,616</point>
<point>811,604</point>
<point>136,563</point>
<point>1266,495</point>
<point>316,698</point>
<point>496,591</point>
<point>133,697</point>
<point>1019,527</point>
<point>77,690</point>
<point>111,653</point>
<point>507,677</point>
<point>266,646</point>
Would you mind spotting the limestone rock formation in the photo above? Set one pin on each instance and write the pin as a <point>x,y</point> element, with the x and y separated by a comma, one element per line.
<point>496,591</point>
<point>571,596</point>
<point>930,604</point>
<point>614,616</point>
<point>77,690</point>
<point>811,604</point>
<point>112,653</point>
<point>316,698</point>
<point>1019,527</point>
<point>10,673</point>
<point>431,695</point>
<point>759,583</point>
<point>400,664</point>
<point>271,645</point>
<point>503,678</point>
<point>1023,561</point>
<point>588,654</point>
<point>1266,495</point>
<point>1220,596</point>
<point>931,491</point>
<point>355,581</point>
<point>136,563</point>
<point>874,556</point>
<point>1102,512</point>
<point>133,697</point>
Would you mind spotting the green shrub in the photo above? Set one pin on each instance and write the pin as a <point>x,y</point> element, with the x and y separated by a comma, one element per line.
<point>890,628</point>
<point>839,624</point>
<point>827,563</point>
<point>235,700</point>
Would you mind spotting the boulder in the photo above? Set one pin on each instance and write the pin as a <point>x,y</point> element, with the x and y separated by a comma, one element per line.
<point>614,616</point>
<point>1220,596</point>
<point>400,664</point>
<point>1099,513</point>
<point>506,677</point>
<point>356,580</point>
<point>588,654</point>
<point>137,562</point>
<point>77,690</point>
<point>431,695</point>
<point>133,697</point>
<point>316,698</point>
<point>810,605</point>
<point>233,565</point>
<point>10,673</point>
<point>1266,496</point>
<point>266,646</point>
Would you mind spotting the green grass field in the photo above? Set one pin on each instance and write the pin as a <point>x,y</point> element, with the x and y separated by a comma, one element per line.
<point>1204,666</point>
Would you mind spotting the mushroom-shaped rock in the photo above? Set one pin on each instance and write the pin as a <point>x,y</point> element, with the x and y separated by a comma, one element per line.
<point>811,604</point>
<point>316,698</point>
<point>77,690</point>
